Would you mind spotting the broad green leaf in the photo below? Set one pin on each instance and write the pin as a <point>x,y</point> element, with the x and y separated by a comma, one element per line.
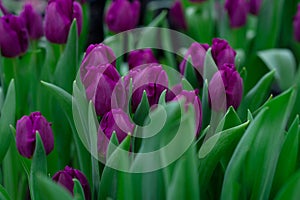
<point>38,166</point>
<point>231,119</point>
<point>257,95</point>
<point>78,191</point>
<point>142,110</point>
<point>296,109</point>
<point>50,189</point>
<point>284,64</point>
<point>3,193</point>
<point>287,161</point>
<point>7,117</point>
<point>291,189</point>
<point>253,164</point>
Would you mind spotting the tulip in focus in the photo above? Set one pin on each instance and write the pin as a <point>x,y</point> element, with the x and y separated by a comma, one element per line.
<point>33,21</point>
<point>26,134</point>
<point>226,84</point>
<point>296,24</point>
<point>140,57</point>
<point>237,11</point>
<point>177,17</point>
<point>59,17</point>
<point>122,15</point>
<point>222,52</point>
<point>65,178</point>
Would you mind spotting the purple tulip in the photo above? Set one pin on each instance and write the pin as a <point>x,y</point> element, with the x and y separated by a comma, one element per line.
<point>197,1</point>
<point>33,21</point>
<point>152,79</point>
<point>237,11</point>
<point>226,84</point>
<point>296,24</point>
<point>196,53</point>
<point>26,134</point>
<point>115,120</point>
<point>176,16</point>
<point>254,6</point>
<point>122,15</point>
<point>191,97</point>
<point>222,52</point>
<point>65,178</point>
<point>14,36</point>
<point>59,17</point>
<point>140,57</point>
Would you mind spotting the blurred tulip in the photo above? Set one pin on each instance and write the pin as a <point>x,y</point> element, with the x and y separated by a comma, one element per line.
<point>140,57</point>
<point>197,1</point>
<point>296,24</point>
<point>122,15</point>
<point>222,52</point>
<point>254,6</point>
<point>59,17</point>
<point>33,21</point>
<point>177,17</point>
<point>237,11</point>
<point>65,178</point>
<point>226,84</point>
<point>26,134</point>
<point>14,39</point>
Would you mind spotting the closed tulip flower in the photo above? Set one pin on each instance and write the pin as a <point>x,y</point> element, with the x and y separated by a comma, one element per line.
<point>26,134</point>
<point>59,17</point>
<point>296,24</point>
<point>254,6</point>
<point>14,36</point>
<point>65,178</point>
<point>226,84</point>
<point>222,52</point>
<point>177,17</point>
<point>237,11</point>
<point>140,57</point>
<point>33,21</point>
<point>122,15</point>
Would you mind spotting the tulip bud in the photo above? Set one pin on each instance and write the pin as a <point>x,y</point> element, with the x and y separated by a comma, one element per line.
<point>176,16</point>
<point>14,36</point>
<point>296,24</point>
<point>237,11</point>
<point>33,21</point>
<point>65,178</point>
<point>59,17</point>
<point>226,84</point>
<point>191,97</point>
<point>122,15</point>
<point>254,6</point>
<point>140,57</point>
<point>222,52</point>
<point>26,131</point>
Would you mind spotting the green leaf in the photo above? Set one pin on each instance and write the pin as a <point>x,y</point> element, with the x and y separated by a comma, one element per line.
<point>287,161</point>
<point>259,148</point>
<point>7,117</point>
<point>50,189</point>
<point>291,189</point>
<point>159,19</point>
<point>257,95</point>
<point>68,62</point>
<point>3,193</point>
<point>284,64</point>
<point>190,73</point>
<point>78,191</point>
<point>38,166</point>
<point>206,114</point>
<point>142,110</point>
<point>231,119</point>
<point>210,67</point>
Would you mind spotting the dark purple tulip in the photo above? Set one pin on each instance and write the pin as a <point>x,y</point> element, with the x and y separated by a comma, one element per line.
<point>191,97</point>
<point>59,17</point>
<point>151,78</point>
<point>296,24</point>
<point>196,53</point>
<point>222,52</point>
<point>176,16</point>
<point>26,134</point>
<point>14,36</point>
<point>226,84</point>
<point>122,15</point>
<point>140,57</point>
<point>33,21</point>
<point>197,1</point>
<point>65,178</point>
<point>254,6</point>
<point>237,11</point>
<point>97,55</point>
